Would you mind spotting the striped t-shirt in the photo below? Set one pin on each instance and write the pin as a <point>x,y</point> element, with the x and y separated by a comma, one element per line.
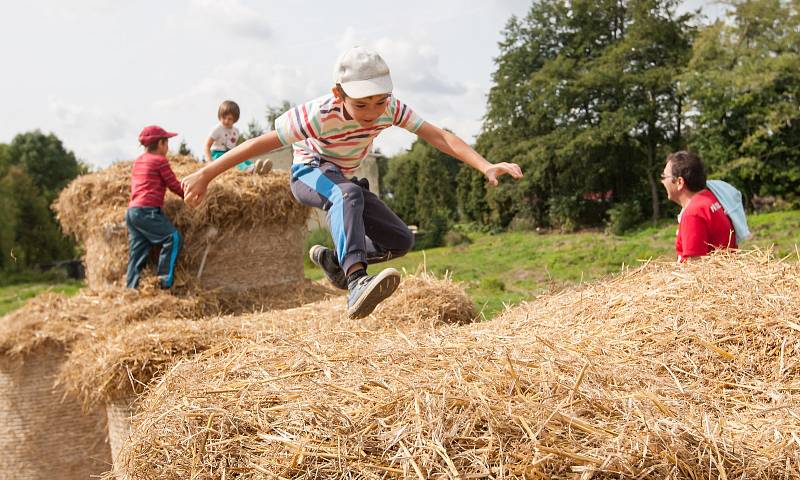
<point>319,130</point>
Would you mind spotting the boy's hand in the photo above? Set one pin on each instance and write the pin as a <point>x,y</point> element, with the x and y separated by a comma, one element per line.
<point>502,168</point>
<point>194,188</point>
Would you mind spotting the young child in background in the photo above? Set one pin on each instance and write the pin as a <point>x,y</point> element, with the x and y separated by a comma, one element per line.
<point>147,225</point>
<point>225,136</point>
<point>330,136</point>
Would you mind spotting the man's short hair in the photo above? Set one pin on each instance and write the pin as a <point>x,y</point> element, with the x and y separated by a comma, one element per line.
<point>689,166</point>
<point>228,107</point>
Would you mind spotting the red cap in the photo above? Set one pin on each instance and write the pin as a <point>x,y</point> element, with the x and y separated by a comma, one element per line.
<point>153,133</point>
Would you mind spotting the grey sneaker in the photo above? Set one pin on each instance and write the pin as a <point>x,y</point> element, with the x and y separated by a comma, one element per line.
<point>370,290</point>
<point>325,258</point>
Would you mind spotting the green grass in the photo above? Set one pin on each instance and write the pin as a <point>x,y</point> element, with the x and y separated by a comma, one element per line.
<point>511,267</point>
<point>15,292</point>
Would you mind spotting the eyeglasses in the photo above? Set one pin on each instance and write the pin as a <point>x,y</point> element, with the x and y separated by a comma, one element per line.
<point>664,177</point>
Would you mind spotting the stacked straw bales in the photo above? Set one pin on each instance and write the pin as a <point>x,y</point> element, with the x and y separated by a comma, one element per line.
<point>668,371</point>
<point>117,362</point>
<point>248,233</point>
<point>37,413</point>
<point>242,252</point>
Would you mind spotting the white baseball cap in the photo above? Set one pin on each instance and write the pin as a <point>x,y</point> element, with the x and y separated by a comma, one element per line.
<point>362,73</point>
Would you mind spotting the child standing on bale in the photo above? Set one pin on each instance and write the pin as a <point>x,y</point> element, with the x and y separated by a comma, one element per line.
<point>147,224</point>
<point>225,136</point>
<point>330,137</point>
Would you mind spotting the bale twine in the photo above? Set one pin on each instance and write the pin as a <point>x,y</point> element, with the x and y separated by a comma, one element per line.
<point>43,434</point>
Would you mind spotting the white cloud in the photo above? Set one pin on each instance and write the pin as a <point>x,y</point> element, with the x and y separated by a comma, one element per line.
<point>97,136</point>
<point>234,17</point>
<point>414,64</point>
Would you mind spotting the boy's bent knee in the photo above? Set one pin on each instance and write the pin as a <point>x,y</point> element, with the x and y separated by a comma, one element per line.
<point>352,193</point>
<point>405,242</point>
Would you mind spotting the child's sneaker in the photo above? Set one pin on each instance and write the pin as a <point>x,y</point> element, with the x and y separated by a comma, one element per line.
<point>325,258</point>
<point>263,166</point>
<point>368,291</point>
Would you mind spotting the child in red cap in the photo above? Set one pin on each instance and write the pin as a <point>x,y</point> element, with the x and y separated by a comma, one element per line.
<point>147,224</point>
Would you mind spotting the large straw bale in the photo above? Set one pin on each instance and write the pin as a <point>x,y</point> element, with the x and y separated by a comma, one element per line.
<point>62,320</point>
<point>245,219</point>
<point>120,361</point>
<point>114,364</point>
<point>667,371</point>
<point>43,434</point>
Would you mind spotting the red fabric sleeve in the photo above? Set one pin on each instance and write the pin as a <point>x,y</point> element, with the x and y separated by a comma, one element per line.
<point>695,237</point>
<point>170,179</point>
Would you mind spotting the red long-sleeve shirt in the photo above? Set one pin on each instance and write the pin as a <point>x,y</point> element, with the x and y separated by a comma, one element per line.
<point>150,177</point>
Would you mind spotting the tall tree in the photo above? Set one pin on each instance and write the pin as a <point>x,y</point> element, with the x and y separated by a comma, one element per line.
<point>744,84</point>
<point>36,236</point>
<point>582,101</point>
<point>421,184</point>
<point>45,159</point>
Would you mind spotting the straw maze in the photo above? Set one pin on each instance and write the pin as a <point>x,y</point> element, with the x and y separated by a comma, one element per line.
<point>665,371</point>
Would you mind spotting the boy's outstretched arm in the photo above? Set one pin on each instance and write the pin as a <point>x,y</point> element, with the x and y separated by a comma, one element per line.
<point>452,145</point>
<point>195,185</point>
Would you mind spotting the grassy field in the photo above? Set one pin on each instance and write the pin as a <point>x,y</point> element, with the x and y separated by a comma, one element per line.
<point>515,266</point>
<point>16,289</point>
<point>510,267</point>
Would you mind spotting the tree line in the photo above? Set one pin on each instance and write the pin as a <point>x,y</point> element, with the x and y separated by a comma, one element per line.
<point>590,96</point>
<point>34,168</point>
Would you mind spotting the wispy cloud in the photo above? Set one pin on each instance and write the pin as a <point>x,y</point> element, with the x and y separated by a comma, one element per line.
<point>233,16</point>
<point>97,136</point>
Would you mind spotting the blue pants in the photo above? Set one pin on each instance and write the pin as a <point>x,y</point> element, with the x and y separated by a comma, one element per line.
<point>147,227</point>
<point>363,228</point>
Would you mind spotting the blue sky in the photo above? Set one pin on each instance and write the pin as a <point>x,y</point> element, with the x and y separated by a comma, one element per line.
<point>95,72</point>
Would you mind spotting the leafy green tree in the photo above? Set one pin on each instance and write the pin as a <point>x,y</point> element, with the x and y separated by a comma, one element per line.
<point>8,219</point>
<point>34,168</point>
<point>44,158</point>
<point>37,238</point>
<point>184,149</point>
<point>421,184</point>
<point>744,85</point>
<point>585,98</point>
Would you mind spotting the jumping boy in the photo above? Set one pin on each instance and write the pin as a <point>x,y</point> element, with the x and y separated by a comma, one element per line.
<point>330,136</point>
<point>147,225</point>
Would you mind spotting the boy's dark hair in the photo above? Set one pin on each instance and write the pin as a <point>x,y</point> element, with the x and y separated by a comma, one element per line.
<point>154,145</point>
<point>689,166</point>
<point>228,107</point>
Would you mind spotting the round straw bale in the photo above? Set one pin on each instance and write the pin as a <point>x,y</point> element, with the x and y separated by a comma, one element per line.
<point>667,371</point>
<point>64,319</point>
<point>43,434</point>
<point>246,234</point>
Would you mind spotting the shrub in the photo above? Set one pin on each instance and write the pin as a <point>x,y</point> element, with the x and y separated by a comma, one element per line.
<point>623,217</point>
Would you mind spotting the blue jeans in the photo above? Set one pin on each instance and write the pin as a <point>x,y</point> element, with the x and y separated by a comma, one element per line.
<point>363,228</point>
<point>148,227</point>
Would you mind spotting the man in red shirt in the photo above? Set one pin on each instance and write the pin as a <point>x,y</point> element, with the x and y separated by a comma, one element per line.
<point>147,225</point>
<point>703,225</point>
